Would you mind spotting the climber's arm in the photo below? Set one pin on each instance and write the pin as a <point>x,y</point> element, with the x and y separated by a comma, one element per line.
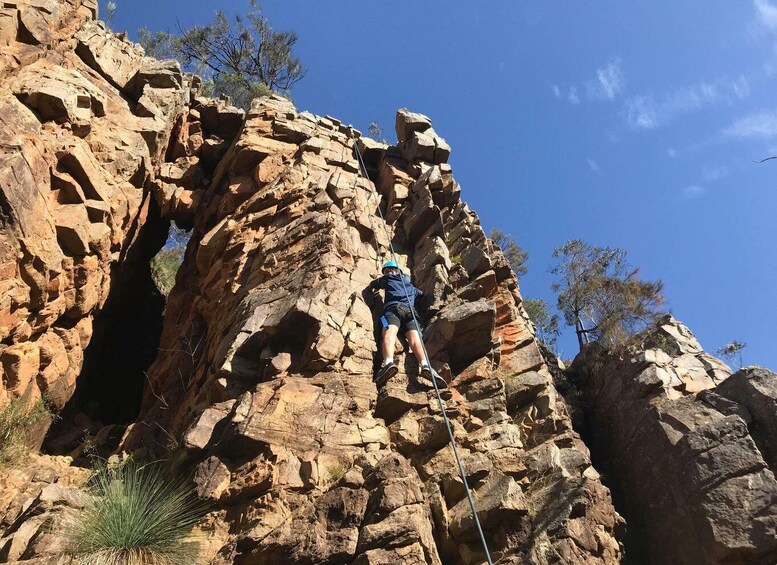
<point>376,284</point>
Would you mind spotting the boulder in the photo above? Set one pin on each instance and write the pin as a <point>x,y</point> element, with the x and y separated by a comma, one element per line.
<point>116,59</point>
<point>462,332</point>
<point>755,389</point>
<point>408,123</point>
<point>664,429</point>
<point>59,94</point>
<point>9,25</point>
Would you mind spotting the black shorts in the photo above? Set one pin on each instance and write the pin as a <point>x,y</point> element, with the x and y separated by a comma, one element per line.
<point>399,316</point>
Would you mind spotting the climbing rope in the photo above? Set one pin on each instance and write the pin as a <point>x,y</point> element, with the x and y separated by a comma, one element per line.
<point>363,170</point>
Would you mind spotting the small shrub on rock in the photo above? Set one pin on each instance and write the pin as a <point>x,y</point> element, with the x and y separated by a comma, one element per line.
<point>337,472</point>
<point>16,420</point>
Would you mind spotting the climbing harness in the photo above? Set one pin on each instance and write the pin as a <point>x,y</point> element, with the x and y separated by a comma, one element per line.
<point>363,171</point>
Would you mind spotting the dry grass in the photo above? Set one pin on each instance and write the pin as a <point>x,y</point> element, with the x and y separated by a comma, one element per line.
<point>16,420</point>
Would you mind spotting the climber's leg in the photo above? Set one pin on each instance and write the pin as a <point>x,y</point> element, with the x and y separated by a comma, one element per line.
<point>387,368</point>
<point>414,340</point>
<point>390,332</point>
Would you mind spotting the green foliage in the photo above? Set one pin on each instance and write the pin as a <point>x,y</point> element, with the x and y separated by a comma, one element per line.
<point>157,44</point>
<point>134,514</point>
<point>239,91</point>
<point>516,256</point>
<point>456,259</point>
<point>242,60</point>
<point>16,419</point>
<point>337,472</point>
<point>662,343</point>
<point>165,265</point>
<point>545,324</point>
<point>733,351</point>
<point>600,294</point>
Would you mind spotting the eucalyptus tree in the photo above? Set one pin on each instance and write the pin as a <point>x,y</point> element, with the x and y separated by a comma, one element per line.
<point>601,295</point>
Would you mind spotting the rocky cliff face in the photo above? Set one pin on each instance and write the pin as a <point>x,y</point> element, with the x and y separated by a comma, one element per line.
<point>271,346</point>
<point>77,152</point>
<point>89,142</point>
<point>261,386</point>
<point>685,447</point>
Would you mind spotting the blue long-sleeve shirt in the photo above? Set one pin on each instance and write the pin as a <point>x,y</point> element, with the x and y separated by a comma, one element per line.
<point>395,291</point>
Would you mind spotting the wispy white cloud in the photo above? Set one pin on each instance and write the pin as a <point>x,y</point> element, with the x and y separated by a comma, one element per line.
<point>761,126</point>
<point>608,82</point>
<point>694,191</point>
<point>714,173</point>
<point>649,111</point>
<point>594,166</point>
<point>606,85</point>
<point>641,112</point>
<point>741,88</point>
<point>566,95</point>
<point>767,13</point>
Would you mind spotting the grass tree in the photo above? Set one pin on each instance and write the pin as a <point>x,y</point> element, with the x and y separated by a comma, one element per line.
<point>135,514</point>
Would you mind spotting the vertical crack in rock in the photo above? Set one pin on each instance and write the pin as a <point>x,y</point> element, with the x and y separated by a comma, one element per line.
<point>685,448</point>
<point>124,340</point>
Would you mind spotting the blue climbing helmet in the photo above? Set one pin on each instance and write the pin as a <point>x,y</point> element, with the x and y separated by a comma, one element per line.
<point>390,265</point>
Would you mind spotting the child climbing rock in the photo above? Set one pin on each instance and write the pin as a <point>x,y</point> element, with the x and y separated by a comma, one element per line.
<point>400,297</point>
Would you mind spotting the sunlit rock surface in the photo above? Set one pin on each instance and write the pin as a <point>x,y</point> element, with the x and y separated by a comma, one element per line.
<point>685,447</point>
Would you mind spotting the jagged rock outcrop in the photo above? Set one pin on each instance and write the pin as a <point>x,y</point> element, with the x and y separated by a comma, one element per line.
<point>76,155</point>
<point>689,450</point>
<point>92,134</point>
<point>88,124</point>
<point>33,508</point>
<point>270,346</point>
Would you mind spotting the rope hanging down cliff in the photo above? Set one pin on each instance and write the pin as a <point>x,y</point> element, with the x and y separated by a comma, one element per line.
<point>363,171</point>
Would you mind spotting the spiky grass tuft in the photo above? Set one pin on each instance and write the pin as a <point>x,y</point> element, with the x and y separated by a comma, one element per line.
<point>135,515</point>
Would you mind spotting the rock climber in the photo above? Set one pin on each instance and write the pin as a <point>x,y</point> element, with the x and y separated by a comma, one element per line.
<point>400,297</point>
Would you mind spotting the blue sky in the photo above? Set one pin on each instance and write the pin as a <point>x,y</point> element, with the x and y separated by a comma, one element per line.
<point>630,124</point>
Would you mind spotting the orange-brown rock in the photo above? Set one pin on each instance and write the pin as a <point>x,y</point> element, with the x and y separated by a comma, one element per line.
<point>271,341</point>
<point>261,385</point>
<point>86,120</point>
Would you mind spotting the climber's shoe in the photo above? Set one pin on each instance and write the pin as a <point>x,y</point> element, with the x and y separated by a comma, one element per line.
<point>385,373</point>
<point>428,373</point>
